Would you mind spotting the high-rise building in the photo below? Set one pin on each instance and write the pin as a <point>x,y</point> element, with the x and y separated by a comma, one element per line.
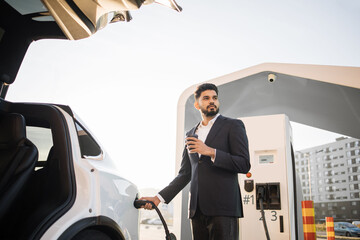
<point>330,176</point>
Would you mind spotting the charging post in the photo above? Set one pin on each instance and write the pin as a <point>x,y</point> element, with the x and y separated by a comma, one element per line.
<point>271,199</point>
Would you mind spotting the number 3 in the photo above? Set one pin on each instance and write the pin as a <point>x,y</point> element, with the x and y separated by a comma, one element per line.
<point>274,215</point>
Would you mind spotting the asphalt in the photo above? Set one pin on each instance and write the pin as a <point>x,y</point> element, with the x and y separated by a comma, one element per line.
<point>157,232</point>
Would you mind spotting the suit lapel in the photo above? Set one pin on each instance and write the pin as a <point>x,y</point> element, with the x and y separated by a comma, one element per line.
<point>214,130</point>
<point>192,131</point>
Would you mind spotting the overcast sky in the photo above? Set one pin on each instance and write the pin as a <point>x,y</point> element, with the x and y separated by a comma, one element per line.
<point>125,81</point>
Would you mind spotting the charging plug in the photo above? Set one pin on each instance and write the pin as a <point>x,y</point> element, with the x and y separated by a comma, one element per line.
<point>260,193</point>
<point>139,203</point>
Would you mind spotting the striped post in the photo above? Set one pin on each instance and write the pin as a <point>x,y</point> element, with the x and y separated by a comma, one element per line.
<point>330,228</point>
<point>308,215</point>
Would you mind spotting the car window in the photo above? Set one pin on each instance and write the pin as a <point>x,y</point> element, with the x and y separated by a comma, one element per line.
<point>88,146</point>
<point>349,225</point>
<point>42,138</point>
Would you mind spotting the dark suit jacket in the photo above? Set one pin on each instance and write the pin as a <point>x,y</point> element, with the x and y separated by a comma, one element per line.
<point>214,186</point>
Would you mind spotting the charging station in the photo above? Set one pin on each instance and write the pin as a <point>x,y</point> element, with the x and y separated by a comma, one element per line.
<point>316,95</point>
<point>271,179</point>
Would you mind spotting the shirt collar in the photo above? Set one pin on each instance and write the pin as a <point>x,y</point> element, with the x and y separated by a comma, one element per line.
<point>211,122</point>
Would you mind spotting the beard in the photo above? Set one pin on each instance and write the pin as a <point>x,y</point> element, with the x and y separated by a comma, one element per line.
<point>210,113</point>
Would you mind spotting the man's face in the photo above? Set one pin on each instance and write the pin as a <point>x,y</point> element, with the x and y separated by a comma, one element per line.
<point>208,103</point>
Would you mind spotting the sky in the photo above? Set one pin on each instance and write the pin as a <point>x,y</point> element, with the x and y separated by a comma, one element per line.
<point>125,81</point>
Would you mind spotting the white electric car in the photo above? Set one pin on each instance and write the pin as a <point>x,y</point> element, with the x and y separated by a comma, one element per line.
<point>56,181</point>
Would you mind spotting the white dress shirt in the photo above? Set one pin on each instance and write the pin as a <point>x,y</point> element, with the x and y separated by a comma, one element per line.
<point>203,131</point>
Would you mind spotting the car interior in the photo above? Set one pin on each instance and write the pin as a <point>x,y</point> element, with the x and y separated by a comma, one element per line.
<point>34,193</point>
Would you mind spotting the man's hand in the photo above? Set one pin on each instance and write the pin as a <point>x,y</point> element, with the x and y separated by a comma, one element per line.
<point>148,206</point>
<point>195,145</point>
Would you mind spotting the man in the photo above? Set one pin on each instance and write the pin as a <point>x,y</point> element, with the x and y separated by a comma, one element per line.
<point>212,163</point>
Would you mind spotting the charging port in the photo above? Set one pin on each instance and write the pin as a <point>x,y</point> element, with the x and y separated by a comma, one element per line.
<point>270,193</point>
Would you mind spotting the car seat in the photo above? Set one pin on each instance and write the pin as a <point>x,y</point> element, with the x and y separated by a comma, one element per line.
<point>18,156</point>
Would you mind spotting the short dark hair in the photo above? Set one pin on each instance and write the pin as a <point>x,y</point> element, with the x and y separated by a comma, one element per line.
<point>203,87</point>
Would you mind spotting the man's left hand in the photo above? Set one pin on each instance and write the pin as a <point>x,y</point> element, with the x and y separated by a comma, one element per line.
<point>198,146</point>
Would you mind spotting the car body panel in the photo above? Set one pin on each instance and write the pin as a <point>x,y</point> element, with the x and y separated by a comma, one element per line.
<point>100,192</point>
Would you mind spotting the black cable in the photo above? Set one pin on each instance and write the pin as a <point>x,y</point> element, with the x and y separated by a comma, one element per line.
<point>263,218</point>
<point>140,203</point>
<point>260,195</point>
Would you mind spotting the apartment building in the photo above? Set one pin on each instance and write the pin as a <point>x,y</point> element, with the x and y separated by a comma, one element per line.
<point>330,176</point>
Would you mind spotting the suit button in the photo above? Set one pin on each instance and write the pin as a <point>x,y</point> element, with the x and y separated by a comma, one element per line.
<point>200,161</point>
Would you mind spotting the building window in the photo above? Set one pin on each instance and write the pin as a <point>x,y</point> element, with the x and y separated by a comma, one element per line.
<point>330,197</point>
<point>327,165</point>
<point>354,187</point>
<point>330,189</point>
<point>354,195</point>
<point>329,181</point>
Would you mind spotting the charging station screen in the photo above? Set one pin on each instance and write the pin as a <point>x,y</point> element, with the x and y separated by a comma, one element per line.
<point>266,159</point>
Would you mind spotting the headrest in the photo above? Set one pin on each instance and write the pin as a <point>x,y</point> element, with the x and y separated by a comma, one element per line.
<point>12,129</point>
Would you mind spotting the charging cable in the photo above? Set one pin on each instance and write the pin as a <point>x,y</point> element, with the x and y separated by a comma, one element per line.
<point>140,203</point>
<point>260,196</point>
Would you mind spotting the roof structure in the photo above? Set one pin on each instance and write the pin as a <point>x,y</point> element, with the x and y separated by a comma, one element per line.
<point>325,97</point>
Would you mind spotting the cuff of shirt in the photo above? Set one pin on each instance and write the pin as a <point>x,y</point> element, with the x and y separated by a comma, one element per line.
<point>213,159</point>
<point>161,198</point>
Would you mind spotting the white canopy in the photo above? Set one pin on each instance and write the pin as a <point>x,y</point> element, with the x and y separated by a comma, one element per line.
<point>326,97</point>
